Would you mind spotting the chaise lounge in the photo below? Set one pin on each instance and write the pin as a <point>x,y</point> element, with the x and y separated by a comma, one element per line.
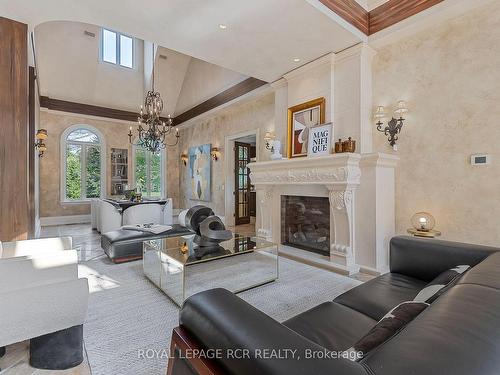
<point>461,325</point>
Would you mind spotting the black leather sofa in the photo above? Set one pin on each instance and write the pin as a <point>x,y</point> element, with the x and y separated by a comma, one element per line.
<point>457,334</point>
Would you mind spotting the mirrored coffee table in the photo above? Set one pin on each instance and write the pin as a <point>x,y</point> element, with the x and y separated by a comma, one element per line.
<point>180,268</point>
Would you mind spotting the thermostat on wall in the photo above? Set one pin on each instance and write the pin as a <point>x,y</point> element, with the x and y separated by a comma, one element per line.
<point>480,159</point>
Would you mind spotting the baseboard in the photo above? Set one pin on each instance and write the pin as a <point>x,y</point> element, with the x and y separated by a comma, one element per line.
<point>62,220</point>
<point>369,271</point>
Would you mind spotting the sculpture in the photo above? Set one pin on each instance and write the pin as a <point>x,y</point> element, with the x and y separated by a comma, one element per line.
<point>209,229</point>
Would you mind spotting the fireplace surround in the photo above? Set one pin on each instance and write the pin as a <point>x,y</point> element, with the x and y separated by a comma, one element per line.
<point>360,192</point>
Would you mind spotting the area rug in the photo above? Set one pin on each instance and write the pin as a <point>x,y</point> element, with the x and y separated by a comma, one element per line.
<point>128,316</point>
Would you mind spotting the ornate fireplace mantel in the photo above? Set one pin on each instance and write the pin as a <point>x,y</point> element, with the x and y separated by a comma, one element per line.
<point>339,174</point>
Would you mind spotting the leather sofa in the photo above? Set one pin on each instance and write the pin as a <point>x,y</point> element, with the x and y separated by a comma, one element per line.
<point>459,333</point>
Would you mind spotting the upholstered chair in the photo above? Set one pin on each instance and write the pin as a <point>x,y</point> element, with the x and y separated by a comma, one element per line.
<point>43,301</point>
<point>94,212</point>
<point>143,214</point>
<point>110,218</point>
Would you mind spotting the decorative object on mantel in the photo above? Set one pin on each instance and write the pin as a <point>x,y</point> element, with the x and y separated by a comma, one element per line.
<point>269,140</point>
<point>276,149</point>
<point>423,225</point>
<point>200,172</point>
<point>153,138</point>
<point>393,127</point>
<point>301,118</point>
<point>320,140</point>
<point>215,152</point>
<point>349,145</point>
<point>40,136</point>
<point>184,159</point>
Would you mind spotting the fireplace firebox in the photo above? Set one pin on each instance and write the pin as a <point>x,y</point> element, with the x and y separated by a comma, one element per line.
<point>305,223</point>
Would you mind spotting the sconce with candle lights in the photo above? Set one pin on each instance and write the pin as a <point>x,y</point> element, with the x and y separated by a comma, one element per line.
<point>40,137</point>
<point>184,159</point>
<point>215,152</point>
<point>394,126</point>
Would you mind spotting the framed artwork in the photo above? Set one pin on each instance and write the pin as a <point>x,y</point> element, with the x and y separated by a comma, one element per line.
<point>199,169</point>
<point>320,140</point>
<point>301,118</point>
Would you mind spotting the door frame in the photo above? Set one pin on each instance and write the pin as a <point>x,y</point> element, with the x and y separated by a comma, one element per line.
<point>229,169</point>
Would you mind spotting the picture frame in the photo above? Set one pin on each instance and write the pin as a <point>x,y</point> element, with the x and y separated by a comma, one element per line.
<point>320,140</point>
<point>301,118</point>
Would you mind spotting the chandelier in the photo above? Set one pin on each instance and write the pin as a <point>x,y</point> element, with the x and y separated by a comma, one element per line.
<point>152,129</point>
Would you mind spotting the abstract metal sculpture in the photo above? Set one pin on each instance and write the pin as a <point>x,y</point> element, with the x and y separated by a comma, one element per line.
<point>209,229</point>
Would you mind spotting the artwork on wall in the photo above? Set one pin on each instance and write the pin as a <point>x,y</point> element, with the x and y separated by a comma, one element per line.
<point>320,140</point>
<point>301,118</point>
<point>199,159</point>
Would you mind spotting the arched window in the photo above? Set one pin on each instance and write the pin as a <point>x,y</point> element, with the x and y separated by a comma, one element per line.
<point>83,164</point>
<point>149,176</point>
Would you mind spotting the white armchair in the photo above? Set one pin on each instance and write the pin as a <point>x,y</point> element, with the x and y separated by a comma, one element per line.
<point>94,212</point>
<point>110,218</point>
<point>143,214</point>
<point>43,300</point>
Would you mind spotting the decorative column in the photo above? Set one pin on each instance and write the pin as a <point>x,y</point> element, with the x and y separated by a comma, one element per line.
<point>342,227</point>
<point>264,220</point>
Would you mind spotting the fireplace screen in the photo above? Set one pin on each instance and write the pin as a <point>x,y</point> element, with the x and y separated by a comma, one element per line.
<point>305,223</point>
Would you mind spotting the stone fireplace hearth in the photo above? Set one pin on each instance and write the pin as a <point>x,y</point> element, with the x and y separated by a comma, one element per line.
<point>360,194</point>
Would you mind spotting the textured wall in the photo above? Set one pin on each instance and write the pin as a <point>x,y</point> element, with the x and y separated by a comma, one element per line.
<point>450,76</point>
<point>233,120</point>
<point>115,134</point>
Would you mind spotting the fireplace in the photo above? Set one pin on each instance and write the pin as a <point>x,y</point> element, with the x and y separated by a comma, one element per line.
<point>305,223</point>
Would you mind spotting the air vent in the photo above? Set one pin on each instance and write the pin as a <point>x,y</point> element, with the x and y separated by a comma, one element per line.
<point>88,33</point>
<point>164,57</point>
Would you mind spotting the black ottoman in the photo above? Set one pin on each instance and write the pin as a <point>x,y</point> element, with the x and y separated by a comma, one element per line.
<point>124,245</point>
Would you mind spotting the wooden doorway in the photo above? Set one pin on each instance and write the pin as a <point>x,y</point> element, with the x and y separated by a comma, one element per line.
<point>242,156</point>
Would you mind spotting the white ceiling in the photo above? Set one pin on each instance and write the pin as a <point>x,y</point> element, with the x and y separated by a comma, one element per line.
<point>261,39</point>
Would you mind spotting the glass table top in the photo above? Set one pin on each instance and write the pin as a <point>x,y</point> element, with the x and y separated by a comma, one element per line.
<point>184,250</point>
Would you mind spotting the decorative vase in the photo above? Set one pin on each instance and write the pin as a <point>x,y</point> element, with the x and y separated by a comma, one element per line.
<point>338,146</point>
<point>349,145</point>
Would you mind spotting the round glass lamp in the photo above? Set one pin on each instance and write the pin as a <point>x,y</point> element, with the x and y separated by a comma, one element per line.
<point>423,221</point>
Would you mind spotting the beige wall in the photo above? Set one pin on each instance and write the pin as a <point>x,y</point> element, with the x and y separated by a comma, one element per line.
<point>450,75</point>
<point>70,68</point>
<point>115,134</point>
<point>257,114</point>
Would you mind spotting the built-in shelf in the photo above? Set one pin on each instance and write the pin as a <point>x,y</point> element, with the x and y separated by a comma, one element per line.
<point>119,170</point>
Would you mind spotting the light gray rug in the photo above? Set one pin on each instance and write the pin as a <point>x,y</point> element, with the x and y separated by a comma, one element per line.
<point>127,313</point>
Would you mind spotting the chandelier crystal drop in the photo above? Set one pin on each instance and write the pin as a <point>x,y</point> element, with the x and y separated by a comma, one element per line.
<point>152,129</point>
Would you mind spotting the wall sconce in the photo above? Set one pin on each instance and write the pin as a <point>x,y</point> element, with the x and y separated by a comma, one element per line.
<point>394,126</point>
<point>184,159</point>
<point>269,140</point>
<point>40,136</point>
<point>215,152</point>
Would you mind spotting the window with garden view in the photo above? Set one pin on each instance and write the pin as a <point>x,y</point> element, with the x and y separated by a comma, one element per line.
<point>148,172</point>
<point>83,174</point>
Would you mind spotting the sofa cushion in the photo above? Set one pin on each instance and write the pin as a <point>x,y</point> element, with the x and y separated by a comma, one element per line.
<point>441,284</point>
<point>485,273</point>
<point>388,326</point>
<point>331,325</point>
<point>458,334</point>
<point>377,296</point>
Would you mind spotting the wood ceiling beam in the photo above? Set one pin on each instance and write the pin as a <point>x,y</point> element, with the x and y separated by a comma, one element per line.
<point>380,18</point>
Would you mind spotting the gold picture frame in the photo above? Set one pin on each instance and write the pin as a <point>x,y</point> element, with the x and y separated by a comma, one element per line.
<point>312,113</point>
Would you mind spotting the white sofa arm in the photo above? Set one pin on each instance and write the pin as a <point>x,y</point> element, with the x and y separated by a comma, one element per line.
<point>24,272</point>
<point>36,311</point>
<point>36,247</point>
<point>168,212</point>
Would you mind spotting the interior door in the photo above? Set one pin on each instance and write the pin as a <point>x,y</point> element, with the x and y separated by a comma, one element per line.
<point>242,183</point>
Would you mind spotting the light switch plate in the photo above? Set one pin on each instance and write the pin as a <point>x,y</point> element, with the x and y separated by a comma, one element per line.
<point>480,159</point>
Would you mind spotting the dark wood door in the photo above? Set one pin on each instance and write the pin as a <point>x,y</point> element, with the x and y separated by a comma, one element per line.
<point>242,183</point>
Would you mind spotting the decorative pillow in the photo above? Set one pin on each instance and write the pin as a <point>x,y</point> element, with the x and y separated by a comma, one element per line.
<point>440,284</point>
<point>388,326</point>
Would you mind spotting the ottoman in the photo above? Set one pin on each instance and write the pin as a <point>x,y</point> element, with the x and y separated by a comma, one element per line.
<point>125,245</point>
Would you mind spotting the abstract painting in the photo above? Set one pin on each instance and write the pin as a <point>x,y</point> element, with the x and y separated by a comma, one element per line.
<point>200,164</point>
<point>301,118</point>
